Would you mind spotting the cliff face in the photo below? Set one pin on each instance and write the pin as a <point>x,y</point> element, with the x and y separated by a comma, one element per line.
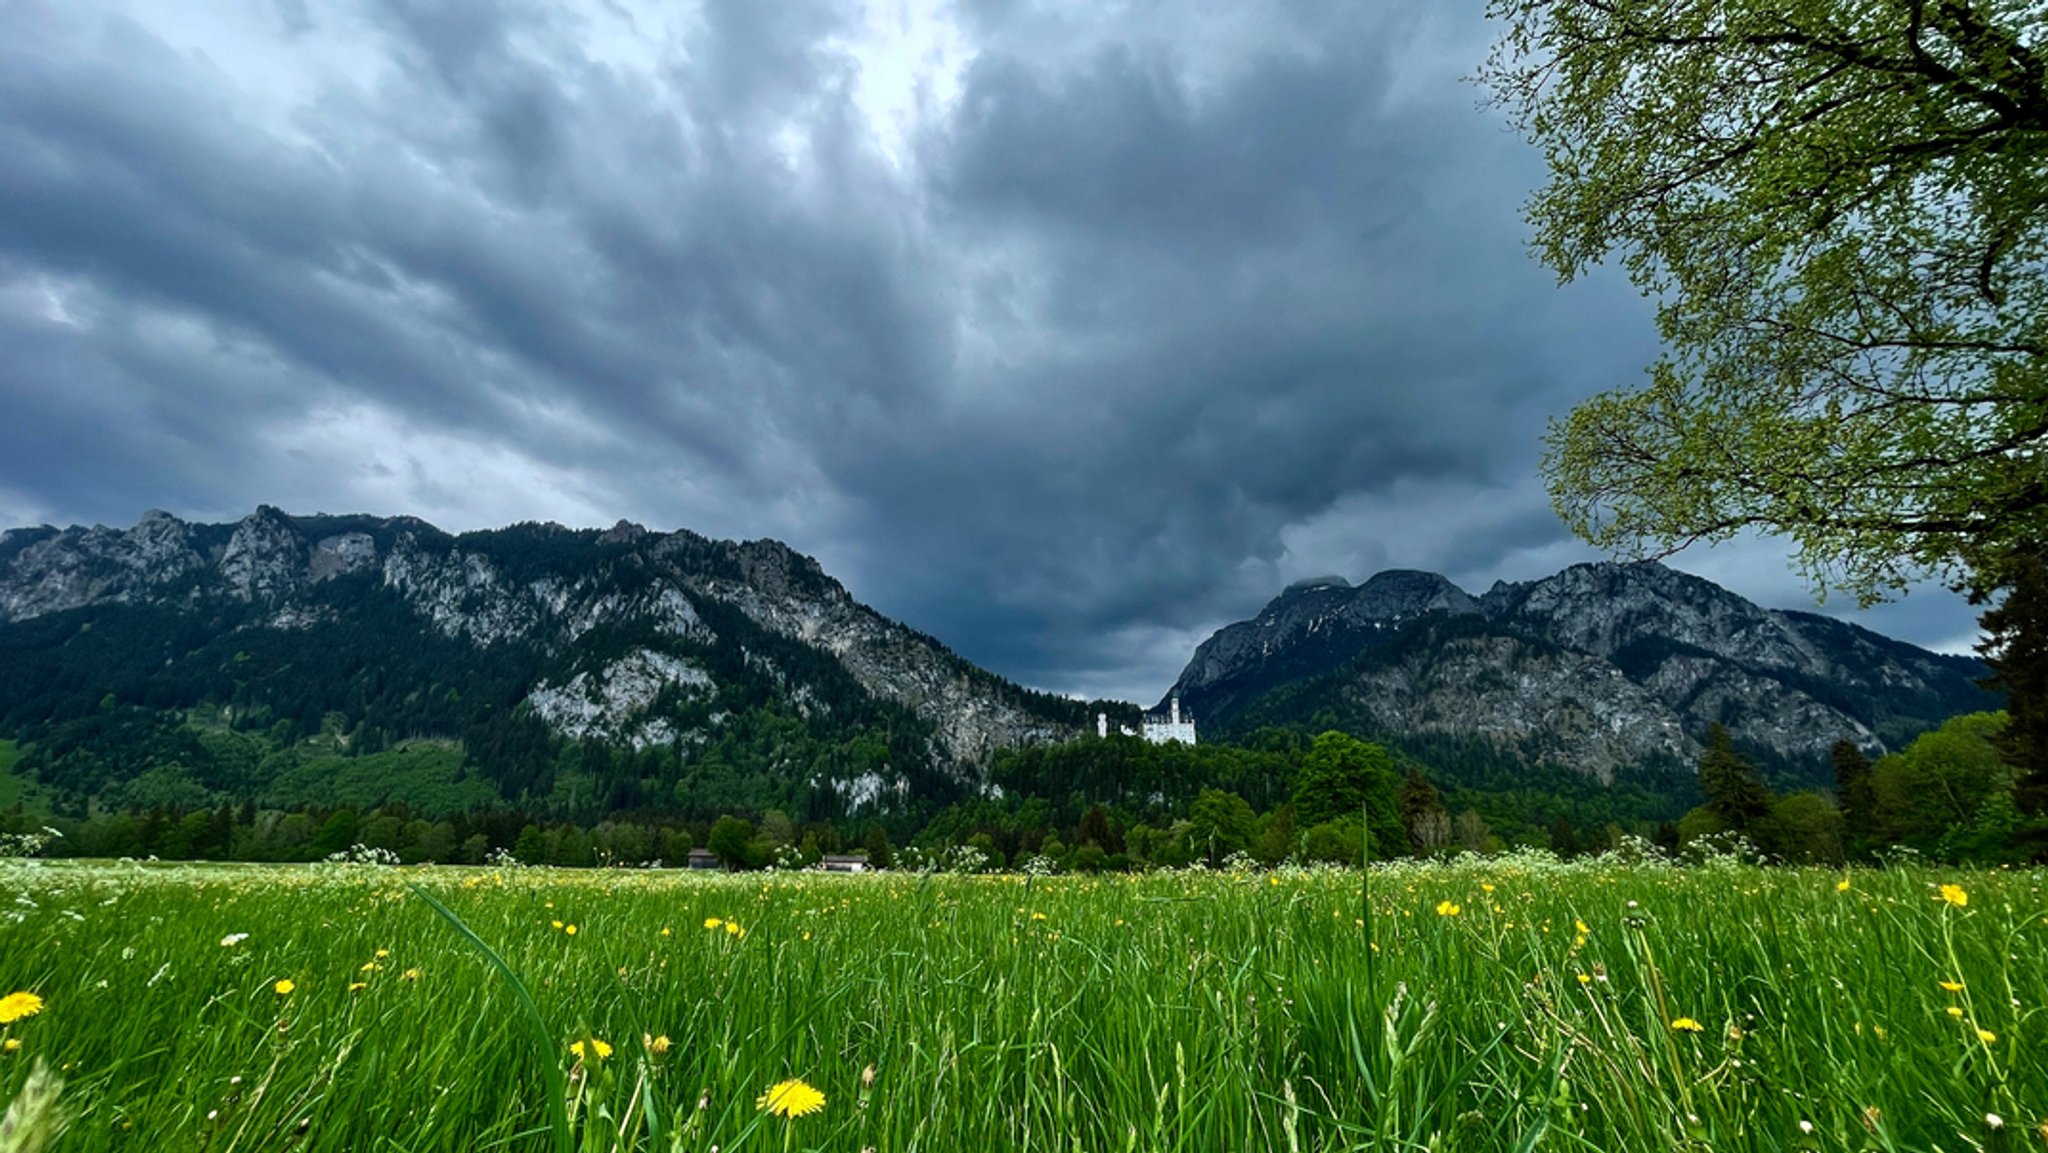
<point>1599,667</point>
<point>617,625</point>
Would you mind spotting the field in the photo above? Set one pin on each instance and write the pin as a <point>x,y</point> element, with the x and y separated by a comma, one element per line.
<point>1507,1004</point>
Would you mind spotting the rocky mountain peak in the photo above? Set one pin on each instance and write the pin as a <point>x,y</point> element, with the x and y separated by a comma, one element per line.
<point>624,532</point>
<point>1598,666</point>
<point>265,558</point>
<point>774,568</point>
<point>1399,594</point>
<point>1606,608</point>
<point>1394,595</point>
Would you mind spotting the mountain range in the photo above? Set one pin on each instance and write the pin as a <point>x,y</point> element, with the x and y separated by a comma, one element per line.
<point>352,660</point>
<point>630,667</point>
<point>1598,668</point>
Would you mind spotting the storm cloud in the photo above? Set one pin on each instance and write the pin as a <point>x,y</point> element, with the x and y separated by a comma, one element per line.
<point>1064,332</point>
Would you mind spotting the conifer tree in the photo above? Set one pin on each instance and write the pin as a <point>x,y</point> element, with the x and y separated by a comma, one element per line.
<point>2016,648</point>
<point>1421,804</point>
<point>1734,788</point>
<point>1853,793</point>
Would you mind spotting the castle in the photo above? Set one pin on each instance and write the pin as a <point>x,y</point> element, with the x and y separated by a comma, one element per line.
<point>1157,729</point>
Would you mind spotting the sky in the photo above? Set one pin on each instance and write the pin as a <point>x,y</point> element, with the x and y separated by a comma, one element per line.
<point>1065,332</point>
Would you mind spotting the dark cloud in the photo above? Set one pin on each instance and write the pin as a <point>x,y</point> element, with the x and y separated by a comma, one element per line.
<point>1112,323</point>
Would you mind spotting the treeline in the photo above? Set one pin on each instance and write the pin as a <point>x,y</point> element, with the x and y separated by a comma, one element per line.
<point>249,833</point>
<point>1951,796</point>
<point>1091,805</point>
<point>1121,803</point>
<point>1331,793</point>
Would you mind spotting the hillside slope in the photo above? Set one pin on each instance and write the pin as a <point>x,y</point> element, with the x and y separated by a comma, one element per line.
<point>187,663</point>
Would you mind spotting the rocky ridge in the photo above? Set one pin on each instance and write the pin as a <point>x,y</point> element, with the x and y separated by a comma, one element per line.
<point>461,588</point>
<point>1599,667</point>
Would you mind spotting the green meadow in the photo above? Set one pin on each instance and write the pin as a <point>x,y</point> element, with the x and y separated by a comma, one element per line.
<point>1501,1004</point>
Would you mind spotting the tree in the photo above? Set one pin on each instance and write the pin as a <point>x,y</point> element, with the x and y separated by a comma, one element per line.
<point>1095,830</point>
<point>778,828</point>
<point>877,845</point>
<point>1564,840</point>
<point>531,846</point>
<point>1853,793</point>
<point>337,834</point>
<point>1474,834</point>
<point>1935,789</point>
<point>1277,839</point>
<point>1803,828</point>
<point>1841,209</point>
<point>1339,776</point>
<point>2016,648</point>
<point>1090,858</point>
<point>731,841</point>
<point>1735,790</point>
<point>1421,808</point>
<point>1220,824</point>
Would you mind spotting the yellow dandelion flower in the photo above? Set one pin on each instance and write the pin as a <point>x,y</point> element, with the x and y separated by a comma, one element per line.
<point>1955,1011</point>
<point>11,1045</point>
<point>1842,886</point>
<point>732,930</point>
<point>791,1099</point>
<point>358,986</point>
<point>1581,927</point>
<point>557,924</point>
<point>712,922</point>
<point>383,953</point>
<point>369,967</point>
<point>664,931</point>
<point>1585,980</point>
<point>284,988</point>
<point>655,1045</point>
<point>15,1006</point>
<point>1484,887</point>
<point>569,929</point>
<point>597,1047</point>
<point>410,975</point>
<point>1955,895</point>
<point>1687,1025</point>
<point>1952,986</point>
<point>1986,1036</point>
<point>1448,908</point>
<point>1038,916</point>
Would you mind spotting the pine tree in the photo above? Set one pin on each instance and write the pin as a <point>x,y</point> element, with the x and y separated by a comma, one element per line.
<point>1094,828</point>
<point>1421,804</point>
<point>1854,794</point>
<point>877,845</point>
<point>2016,648</point>
<point>1734,788</point>
<point>1564,840</point>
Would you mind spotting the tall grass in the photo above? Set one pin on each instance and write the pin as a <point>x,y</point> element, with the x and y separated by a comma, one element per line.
<point>1725,1008</point>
